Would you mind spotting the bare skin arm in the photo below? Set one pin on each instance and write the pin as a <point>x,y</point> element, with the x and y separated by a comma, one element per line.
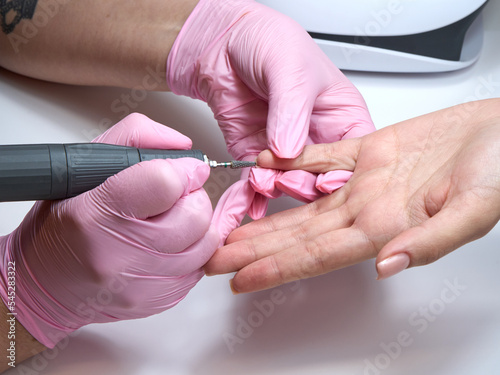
<point>90,42</point>
<point>15,342</point>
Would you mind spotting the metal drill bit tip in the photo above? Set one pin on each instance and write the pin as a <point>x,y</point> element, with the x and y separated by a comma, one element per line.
<point>241,164</point>
<point>234,164</point>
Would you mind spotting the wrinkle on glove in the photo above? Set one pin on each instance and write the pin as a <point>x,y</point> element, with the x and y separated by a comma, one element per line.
<point>269,86</point>
<point>237,201</point>
<point>263,180</point>
<point>130,248</point>
<point>300,185</point>
<point>331,181</point>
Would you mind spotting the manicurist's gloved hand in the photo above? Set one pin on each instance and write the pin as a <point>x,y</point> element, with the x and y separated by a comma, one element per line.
<point>130,248</point>
<point>269,87</point>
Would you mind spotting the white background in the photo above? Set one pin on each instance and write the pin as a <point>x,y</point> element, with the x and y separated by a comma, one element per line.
<point>334,324</point>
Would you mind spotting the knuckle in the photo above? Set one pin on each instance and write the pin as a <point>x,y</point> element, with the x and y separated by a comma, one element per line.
<point>428,257</point>
<point>276,271</point>
<point>315,263</point>
<point>134,119</point>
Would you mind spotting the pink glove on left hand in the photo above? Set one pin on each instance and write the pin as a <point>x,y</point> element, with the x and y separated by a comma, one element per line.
<point>269,87</point>
<point>132,247</point>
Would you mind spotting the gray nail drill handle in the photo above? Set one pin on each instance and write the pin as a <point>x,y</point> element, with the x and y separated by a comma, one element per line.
<point>58,171</point>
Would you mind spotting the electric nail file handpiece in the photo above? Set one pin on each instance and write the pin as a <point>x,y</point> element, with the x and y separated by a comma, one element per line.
<point>58,171</point>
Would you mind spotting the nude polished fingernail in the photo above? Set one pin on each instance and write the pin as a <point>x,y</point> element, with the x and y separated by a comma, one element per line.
<point>392,265</point>
<point>233,289</point>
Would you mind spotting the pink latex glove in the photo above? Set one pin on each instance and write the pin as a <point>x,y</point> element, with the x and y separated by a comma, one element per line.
<point>130,248</point>
<point>269,87</point>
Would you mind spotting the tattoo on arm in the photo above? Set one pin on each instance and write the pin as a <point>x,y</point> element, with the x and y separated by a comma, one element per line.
<point>13,11</point>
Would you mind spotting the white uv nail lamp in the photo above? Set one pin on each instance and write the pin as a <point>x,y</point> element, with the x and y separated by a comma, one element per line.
<point>392,35</point>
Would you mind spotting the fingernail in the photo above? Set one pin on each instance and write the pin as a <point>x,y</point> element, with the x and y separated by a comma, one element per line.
<point>233,290</point>
<point>208,273</point>
<point>392,265</point>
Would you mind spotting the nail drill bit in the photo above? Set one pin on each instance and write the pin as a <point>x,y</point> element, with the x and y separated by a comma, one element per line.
<point>233,164</point>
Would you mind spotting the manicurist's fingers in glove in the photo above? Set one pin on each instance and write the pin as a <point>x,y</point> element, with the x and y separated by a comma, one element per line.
<point>279,91</point>
<point>132,247</point>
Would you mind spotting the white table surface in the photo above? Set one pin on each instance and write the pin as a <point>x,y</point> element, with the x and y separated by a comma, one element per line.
<point>345,322</point>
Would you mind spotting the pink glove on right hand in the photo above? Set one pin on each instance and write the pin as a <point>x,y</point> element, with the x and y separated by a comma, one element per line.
<point>270,87</point>
<point>132,247</point>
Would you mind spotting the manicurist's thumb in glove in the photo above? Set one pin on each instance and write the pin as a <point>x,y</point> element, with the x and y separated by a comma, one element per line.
<point>130,248</point>
<point>270,87</point>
